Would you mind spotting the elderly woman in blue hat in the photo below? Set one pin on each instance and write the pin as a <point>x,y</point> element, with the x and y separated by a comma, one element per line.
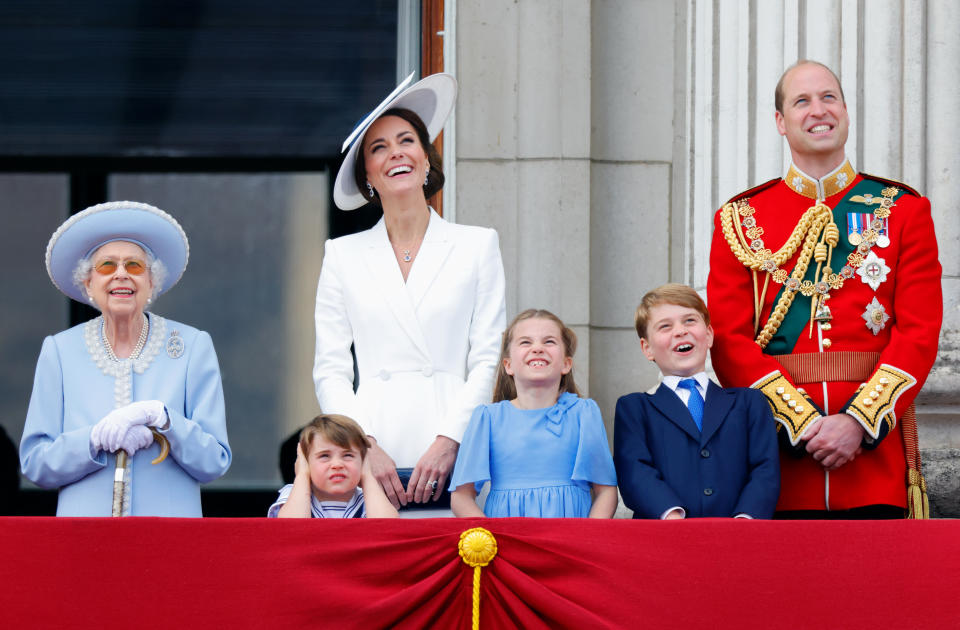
<point>113,395</point>
<point>420,299</point>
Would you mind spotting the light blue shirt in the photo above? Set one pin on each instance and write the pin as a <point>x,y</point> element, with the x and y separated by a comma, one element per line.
<point>673,382</point>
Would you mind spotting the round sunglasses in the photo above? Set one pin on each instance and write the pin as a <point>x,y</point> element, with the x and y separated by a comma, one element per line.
<point>133,266</point>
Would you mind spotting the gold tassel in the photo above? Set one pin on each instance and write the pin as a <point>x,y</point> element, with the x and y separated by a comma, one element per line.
<point>918,504</point>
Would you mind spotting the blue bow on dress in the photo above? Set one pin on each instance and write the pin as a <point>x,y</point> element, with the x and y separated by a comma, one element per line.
<point>555,414</point>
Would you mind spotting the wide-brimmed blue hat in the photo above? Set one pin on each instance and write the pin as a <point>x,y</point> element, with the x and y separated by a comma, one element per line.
<point>154,230</point>
<point>430,98</point>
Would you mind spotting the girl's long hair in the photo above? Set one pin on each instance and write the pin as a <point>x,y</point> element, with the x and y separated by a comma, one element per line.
<point>504,388</point>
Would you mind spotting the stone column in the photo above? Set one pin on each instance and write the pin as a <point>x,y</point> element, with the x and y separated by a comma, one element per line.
<point>523,148</point>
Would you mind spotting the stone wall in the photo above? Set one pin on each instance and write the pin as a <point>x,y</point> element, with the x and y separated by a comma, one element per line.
<point>599,137</point>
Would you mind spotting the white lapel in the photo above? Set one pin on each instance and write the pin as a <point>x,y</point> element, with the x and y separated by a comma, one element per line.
<point>386,279</point>
<point>436,247</point>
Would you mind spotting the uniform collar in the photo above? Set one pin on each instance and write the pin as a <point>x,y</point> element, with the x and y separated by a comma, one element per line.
<point>826,186</point>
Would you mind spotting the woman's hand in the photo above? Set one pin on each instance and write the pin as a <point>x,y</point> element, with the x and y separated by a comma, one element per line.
<point>434,466</point>
<point>384,470</point>
<point>136,438</point>
<point>109,433</point>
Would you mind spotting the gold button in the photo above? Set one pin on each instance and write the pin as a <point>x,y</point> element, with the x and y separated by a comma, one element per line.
<point>801,390</point>
<point>867,402</point>
<point>884,380</point>
<point>792,404</point>
<point>780,390</point>
<point>827,343</point>
<point>874,395</point>
<point>878,388</point>
<point>825,326</point>
<point>798,408</point>
<point>786,397</point>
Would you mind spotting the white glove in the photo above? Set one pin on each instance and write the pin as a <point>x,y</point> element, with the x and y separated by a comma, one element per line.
<point>153,413</point>
<point>136,438</point>
<point>108,434</point>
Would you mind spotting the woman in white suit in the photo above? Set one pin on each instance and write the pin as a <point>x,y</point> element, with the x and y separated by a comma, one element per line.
<point>421,299</point>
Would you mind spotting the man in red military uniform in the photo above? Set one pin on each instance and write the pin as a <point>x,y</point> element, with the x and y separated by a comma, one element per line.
<point>824,291</point>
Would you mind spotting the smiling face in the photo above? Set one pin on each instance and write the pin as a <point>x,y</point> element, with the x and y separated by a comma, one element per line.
<point>395,161</point>
<point>814,119</point>
<point>677,339</point>
<point>119,293</point>
<point>334,470</point>
<point>536,354</point>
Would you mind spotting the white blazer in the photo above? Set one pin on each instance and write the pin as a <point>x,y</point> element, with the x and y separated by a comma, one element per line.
<point>427,349</point>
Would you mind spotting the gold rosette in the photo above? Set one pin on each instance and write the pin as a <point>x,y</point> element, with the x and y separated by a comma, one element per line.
<point>477,548</point>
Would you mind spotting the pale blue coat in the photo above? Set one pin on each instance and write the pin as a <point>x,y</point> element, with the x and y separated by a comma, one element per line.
<point>71,394</point>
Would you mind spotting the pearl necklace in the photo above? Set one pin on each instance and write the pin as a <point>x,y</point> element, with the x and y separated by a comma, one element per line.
<point>141,340</point>
<point>121,370</point>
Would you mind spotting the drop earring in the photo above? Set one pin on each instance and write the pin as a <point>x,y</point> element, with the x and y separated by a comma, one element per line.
<point>370,189</point>
<point>426,178</point>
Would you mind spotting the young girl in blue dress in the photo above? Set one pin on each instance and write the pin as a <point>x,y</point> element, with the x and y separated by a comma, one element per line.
<point>542,447</point>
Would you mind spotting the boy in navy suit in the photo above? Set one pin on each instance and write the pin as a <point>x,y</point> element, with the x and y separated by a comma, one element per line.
<point>692,448</point>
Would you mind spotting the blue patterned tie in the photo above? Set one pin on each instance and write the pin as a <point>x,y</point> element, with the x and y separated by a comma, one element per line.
<point>695,403</point>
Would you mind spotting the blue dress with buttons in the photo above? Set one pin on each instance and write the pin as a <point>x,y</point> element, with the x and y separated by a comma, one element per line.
<point>540,462</point>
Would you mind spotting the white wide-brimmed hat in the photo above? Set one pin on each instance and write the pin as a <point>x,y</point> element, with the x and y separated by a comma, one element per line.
<point>430,98</point>
<point>151,228</point>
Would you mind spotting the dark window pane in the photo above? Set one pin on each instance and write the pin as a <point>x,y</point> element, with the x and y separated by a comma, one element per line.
<point>191,78</point>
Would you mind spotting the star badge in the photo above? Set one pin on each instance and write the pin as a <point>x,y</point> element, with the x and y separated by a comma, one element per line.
<point>875,316</point>
<point>873,271</point>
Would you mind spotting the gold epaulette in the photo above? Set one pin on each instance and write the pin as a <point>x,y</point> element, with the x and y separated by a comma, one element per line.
<point>875,400</point>
<point>754,190</point>
<point>892,182</point>
<point>791,406</point>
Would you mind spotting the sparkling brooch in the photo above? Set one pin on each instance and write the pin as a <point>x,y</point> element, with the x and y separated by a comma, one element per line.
<point>175,345</point>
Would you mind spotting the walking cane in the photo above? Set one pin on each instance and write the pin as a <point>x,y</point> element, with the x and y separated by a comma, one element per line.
<point>119,473</point>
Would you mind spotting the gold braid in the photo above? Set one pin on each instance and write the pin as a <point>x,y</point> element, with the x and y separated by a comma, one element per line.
<point>808,229</point>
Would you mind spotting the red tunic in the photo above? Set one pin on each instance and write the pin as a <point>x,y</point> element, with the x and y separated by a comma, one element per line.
<point>911,297</point>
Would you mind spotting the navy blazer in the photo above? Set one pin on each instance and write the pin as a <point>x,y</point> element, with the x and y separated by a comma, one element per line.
<point>731,467</point>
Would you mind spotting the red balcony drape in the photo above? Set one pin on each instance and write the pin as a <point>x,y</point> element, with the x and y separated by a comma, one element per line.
<point>548,573</point>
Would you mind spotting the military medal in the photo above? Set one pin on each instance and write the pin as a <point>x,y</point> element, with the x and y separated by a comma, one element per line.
<point>875,316</point>
<point>812,240</point>
<point>857,224</point>
<point>873,271</point>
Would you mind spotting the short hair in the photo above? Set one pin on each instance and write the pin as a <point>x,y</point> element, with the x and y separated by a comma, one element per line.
<point>504,388</point>
<point>435,162</point>
<point>778,91</point>
<point>337,429</point>
<point>673,293</point>
<point>158,273</point>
